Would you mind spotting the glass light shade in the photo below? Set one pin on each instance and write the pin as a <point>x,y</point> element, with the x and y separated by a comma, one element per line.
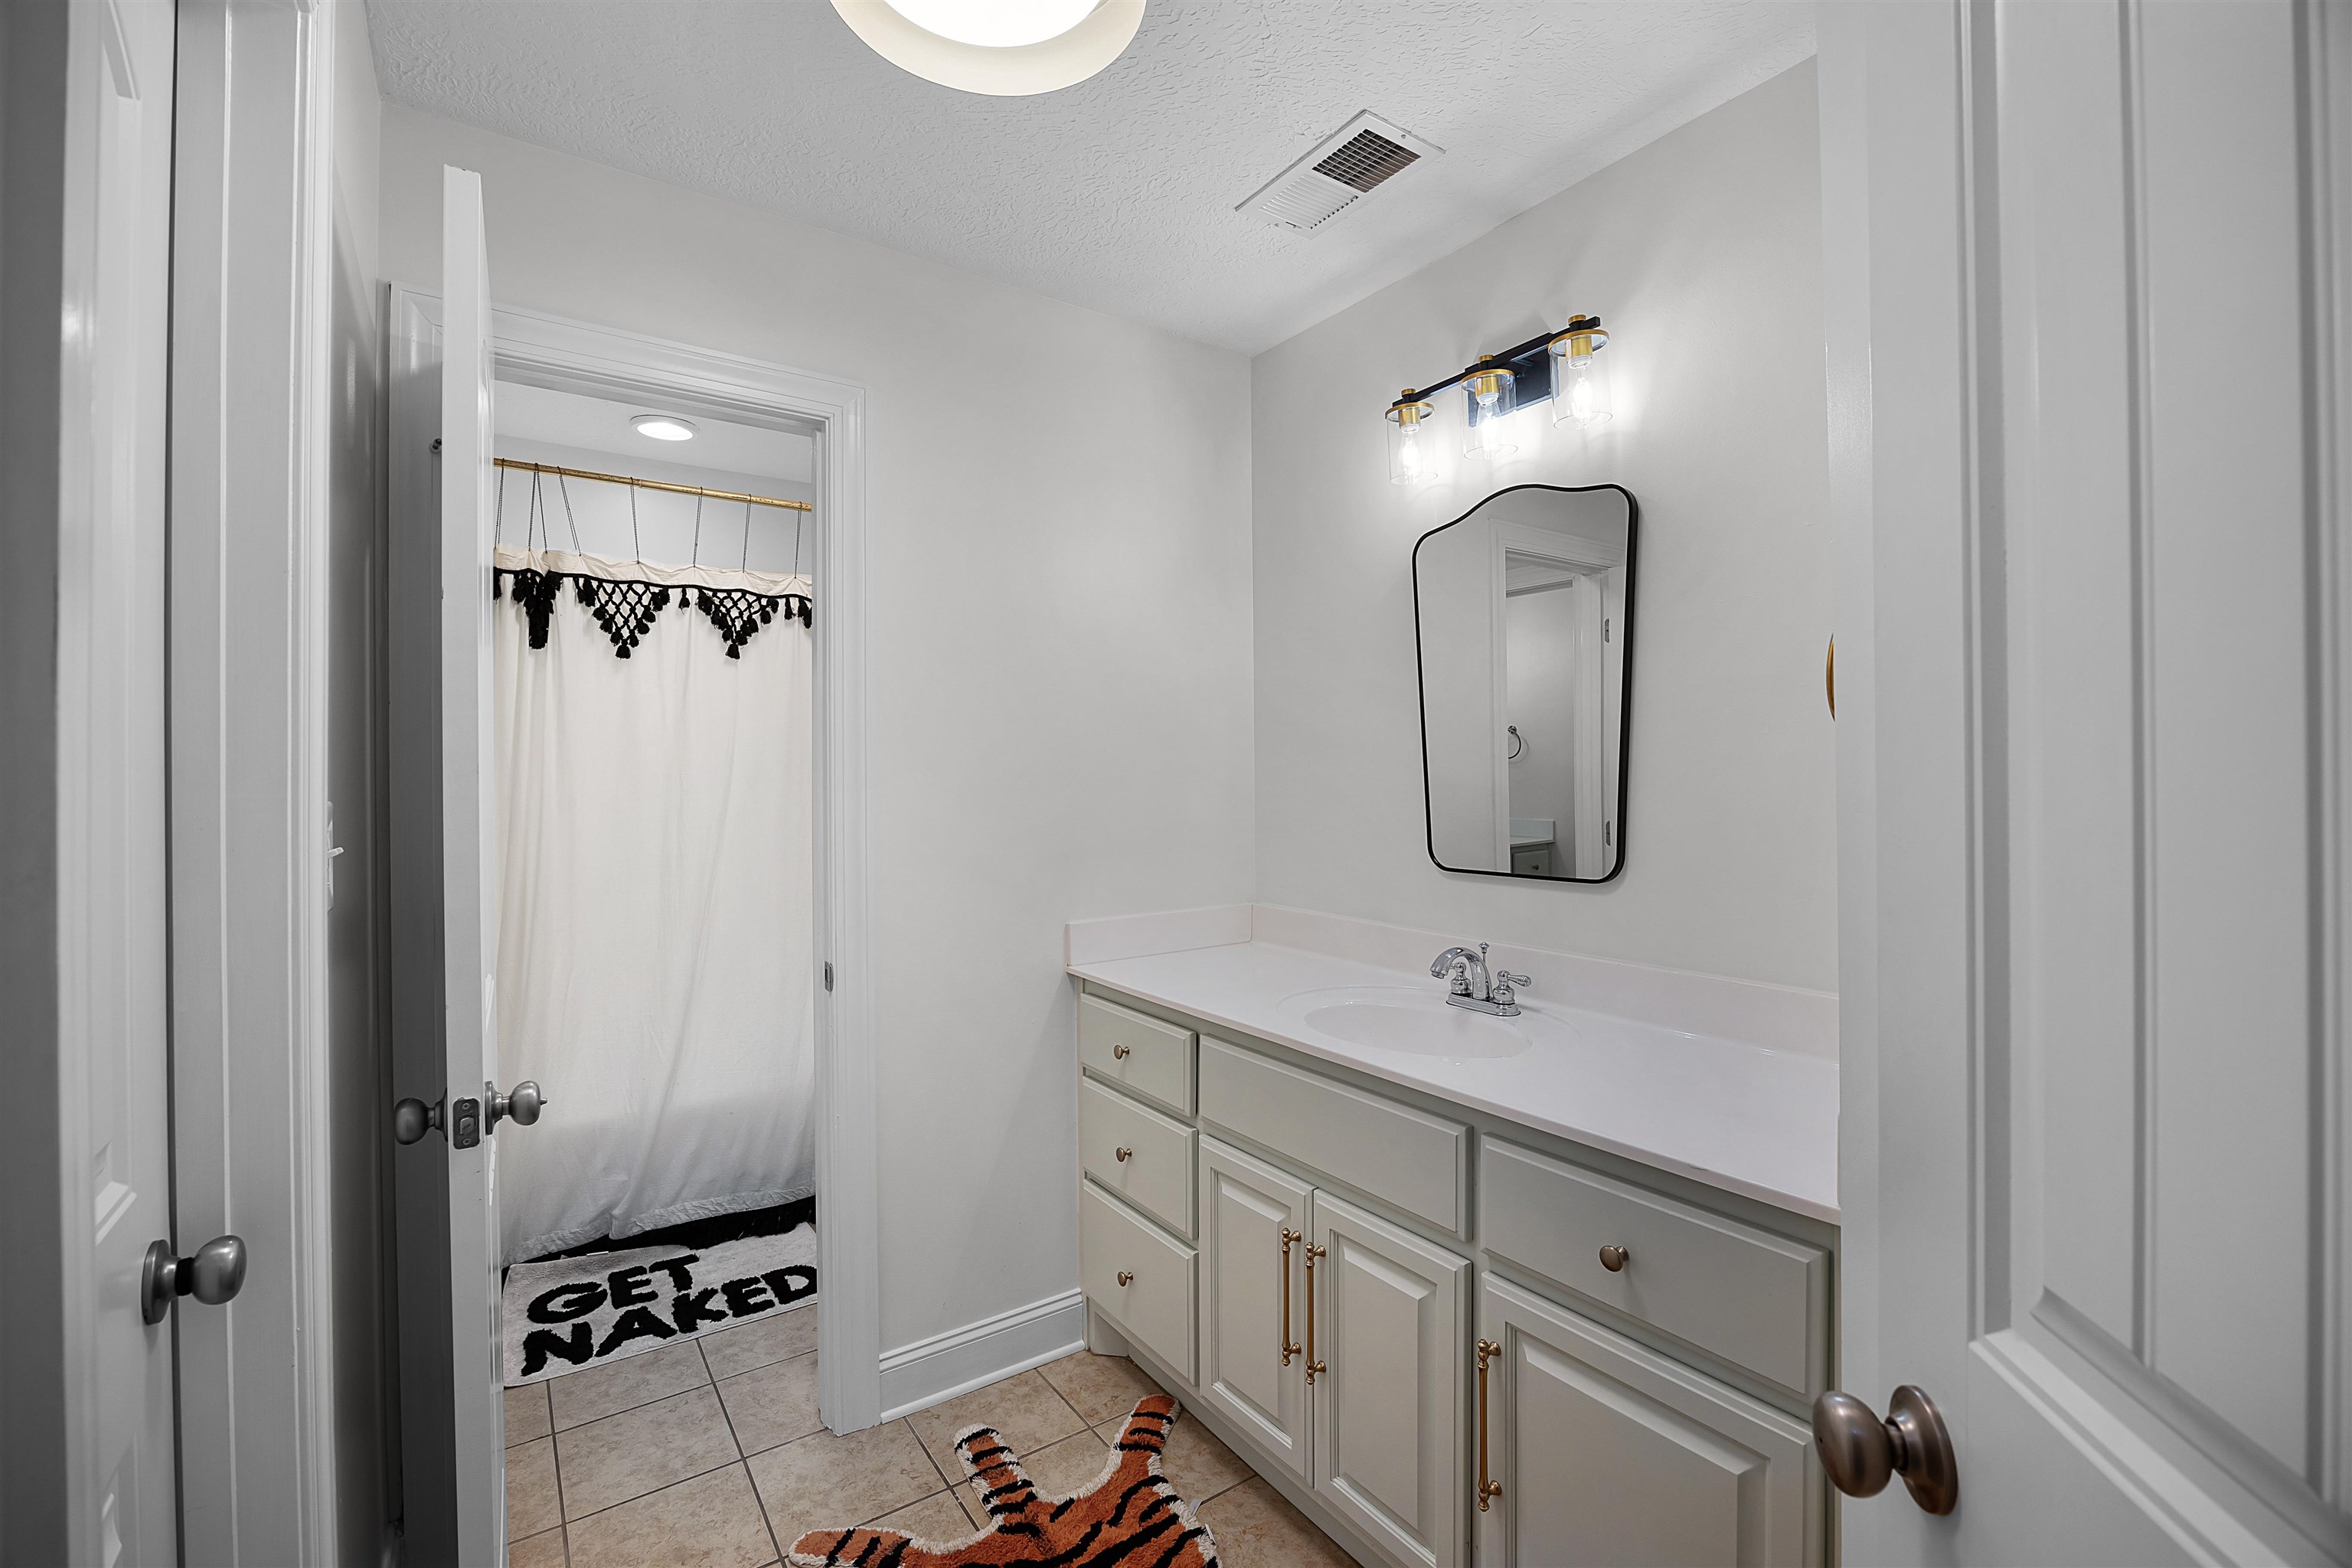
<point>1579,375</point>
<point>1413,440</point>
<point>1490,395</point>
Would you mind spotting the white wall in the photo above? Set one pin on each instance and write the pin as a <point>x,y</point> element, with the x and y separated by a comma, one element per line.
<point>1061,677</point>
<point>1702,253</point>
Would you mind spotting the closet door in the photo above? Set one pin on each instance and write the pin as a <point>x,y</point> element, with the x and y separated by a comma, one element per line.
<point>1253,1256</point>
<point>1388,1326</point>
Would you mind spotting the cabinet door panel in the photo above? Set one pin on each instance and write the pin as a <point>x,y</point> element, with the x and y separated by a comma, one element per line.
<point>1610,1454</point>
<point>1244,1208</point>
<point>1391,1311</point>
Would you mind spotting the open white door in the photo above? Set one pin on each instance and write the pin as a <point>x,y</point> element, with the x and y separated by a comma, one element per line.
<point>444,905</point>
<point>112,1478</point>
<point>2088,291</point>
<point>469,870</point>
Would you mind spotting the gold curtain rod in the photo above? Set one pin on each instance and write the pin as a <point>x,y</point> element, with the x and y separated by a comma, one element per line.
<point>652,484</point>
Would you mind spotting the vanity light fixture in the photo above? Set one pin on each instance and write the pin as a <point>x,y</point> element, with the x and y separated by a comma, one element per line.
<point>1006,48</point>
<point>1563,365</point>
<point>663,426</point>
<point>1410,439</point>
<point>1580,376</point>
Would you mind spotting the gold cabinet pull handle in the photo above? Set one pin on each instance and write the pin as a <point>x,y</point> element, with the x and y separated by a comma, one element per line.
<point>1289,1346</point>
<point>1118,1053</point>
<point>1313,1366</point>
<point>1488,1489</point>
<point>1126,1276</point>
<point>1122,1154</point>
<point>1615,1258</point>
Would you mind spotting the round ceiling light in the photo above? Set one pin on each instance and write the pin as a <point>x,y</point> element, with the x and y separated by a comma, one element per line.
<point>663,426</point>
<point>1003,25</point>
<point>1008,48</point>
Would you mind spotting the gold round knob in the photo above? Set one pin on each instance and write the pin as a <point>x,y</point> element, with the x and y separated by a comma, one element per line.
<point>1118,1053</point>
<point>1126,1276</point>
<point>1123,1155</point>
<point>1615,1259</point>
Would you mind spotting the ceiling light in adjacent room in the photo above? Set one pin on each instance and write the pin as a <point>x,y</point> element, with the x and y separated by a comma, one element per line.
<point>663,426</point>
<point>1008,48</point>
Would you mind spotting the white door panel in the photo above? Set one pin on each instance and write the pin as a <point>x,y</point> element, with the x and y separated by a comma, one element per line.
<point>2101,1198</point>
<point>113,853</point>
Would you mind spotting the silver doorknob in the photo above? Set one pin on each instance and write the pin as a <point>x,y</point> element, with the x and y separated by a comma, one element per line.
<point>213,1275</point>
<point>410,1119</point>
<point>521,1105</point>
<point>1861,1452</point>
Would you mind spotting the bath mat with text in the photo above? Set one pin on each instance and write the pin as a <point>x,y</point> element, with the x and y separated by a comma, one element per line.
<point>1129,1515</point>
<point>566,1313</point>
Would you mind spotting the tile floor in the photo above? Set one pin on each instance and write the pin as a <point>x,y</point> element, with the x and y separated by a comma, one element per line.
<point>710,1455</point>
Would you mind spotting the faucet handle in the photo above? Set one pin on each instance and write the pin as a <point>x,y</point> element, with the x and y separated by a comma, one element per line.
<point>1506,986</point>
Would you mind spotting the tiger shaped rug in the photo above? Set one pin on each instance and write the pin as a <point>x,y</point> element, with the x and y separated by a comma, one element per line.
<point>1129,1515</point>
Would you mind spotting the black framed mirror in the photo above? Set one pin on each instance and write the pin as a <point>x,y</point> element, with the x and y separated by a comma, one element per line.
<point>1523,621</point>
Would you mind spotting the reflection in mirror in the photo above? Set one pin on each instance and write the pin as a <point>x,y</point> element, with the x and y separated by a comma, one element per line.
<point>1524,612</point>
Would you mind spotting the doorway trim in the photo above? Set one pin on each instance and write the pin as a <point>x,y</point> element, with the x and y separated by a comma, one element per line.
<point>553,351</point>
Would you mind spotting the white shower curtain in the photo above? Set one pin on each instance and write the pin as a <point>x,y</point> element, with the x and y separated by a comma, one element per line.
<point>655,911</point>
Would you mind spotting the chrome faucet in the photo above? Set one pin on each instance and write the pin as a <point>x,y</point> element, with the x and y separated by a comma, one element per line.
<point>1470,987</point>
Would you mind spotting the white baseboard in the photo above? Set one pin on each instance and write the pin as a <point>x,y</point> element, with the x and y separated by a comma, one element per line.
<point>917,1376</point>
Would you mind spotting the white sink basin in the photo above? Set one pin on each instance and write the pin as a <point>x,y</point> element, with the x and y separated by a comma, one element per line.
<point>1410,1023</point>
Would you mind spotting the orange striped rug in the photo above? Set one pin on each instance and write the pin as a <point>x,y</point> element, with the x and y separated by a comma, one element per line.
<point>1129,1515</point>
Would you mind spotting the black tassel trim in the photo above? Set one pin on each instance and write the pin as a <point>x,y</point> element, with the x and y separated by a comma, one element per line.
<point>626,609</point>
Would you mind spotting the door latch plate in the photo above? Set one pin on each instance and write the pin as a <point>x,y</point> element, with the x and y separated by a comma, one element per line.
<point>465,1123</point>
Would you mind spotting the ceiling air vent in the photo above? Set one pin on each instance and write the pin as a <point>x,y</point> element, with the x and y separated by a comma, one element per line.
<point>1337,172</point>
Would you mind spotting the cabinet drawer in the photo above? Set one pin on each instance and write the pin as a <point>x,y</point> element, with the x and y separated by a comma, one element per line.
<point>1142,1055</point>
<point>1407,1159</point>
<point>1156,1176</point>
<point>1155,1304</point>
<point>1757,1300</point>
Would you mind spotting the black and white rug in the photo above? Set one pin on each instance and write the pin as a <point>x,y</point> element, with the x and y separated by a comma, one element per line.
<point>567,1313</point>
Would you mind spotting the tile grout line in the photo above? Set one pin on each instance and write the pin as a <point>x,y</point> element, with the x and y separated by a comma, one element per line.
<point>743,1459</point>
<point>624,1410</point>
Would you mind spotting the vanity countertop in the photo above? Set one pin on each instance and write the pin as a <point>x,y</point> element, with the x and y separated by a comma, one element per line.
<point>1748,1119</point>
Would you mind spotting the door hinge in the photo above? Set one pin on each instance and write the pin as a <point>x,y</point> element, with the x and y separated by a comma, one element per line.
<point>829,974</point>
<point>1604,629</point>
<point>1608,833</point>
<point>437,442</point>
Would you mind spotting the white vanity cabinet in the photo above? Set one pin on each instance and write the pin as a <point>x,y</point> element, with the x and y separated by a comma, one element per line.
<point>1607,1455</point>
<point>1349,1255</point>
<point>1333,1339</point>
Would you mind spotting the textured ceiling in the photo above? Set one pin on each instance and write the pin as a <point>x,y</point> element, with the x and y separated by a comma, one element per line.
<point>1118,193</point>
